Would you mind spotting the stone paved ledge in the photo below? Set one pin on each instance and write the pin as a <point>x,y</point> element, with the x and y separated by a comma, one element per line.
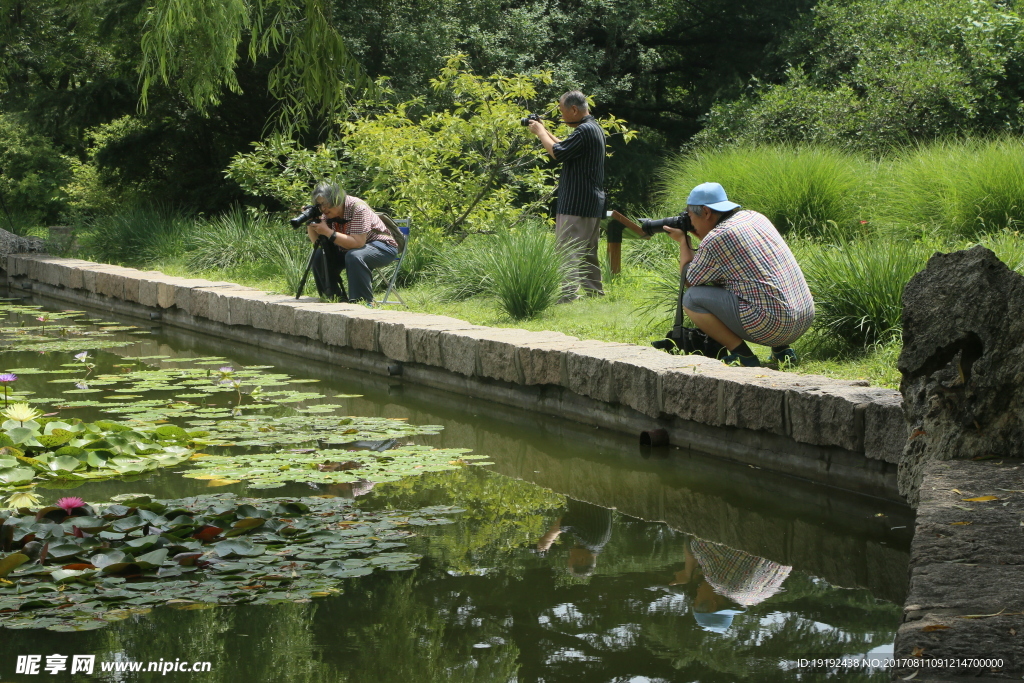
<point>966,597</point>
<point>815,411</point>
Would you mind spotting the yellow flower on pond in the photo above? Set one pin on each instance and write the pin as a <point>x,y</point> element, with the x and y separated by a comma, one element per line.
<point>22,499</point>
<point>21,412</point>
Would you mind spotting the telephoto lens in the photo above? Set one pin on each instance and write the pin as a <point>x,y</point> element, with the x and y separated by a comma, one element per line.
<point>525,121</point>
<point>680,222</point>
<point>309,213</point>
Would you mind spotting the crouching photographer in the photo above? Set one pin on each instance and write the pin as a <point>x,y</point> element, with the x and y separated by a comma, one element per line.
<point>352,238</point>
<point>742,282</point>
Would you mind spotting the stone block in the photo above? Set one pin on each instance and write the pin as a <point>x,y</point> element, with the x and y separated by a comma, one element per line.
<point>132,280</point>
<point>459,349</point>
<point>334,326</point>
<point>110,282</point>
<point>307,319</point>
<point>364,329</point>
<point>71,275</point>
<point>543,362</point>
<point>183,288</point>
<point>755,398</point>
<point>691,391</point>
<point>424,341</point>
<point>830,413</point>
<point>393,334</point>
<point>497,354</point>
<point>636,380</point>
<point>239,304</point>
<point>588,369</point>
<point>49,271</point>
<point>885,428</point>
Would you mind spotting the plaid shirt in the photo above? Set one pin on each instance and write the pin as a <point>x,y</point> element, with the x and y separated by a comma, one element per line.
<point>746,255</point>
<point>362,219</point>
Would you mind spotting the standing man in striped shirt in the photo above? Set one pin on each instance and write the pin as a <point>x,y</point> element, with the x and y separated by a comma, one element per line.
<point>580,190</point>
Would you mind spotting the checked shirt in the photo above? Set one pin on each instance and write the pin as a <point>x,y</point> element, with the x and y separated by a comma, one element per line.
<point>746,255</point>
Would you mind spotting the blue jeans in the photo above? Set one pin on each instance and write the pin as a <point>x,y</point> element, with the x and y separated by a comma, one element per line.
<point>328,264</point>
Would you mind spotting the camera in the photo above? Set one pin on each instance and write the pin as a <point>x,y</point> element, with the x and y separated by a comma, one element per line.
<point>680,222</point>
<point>525,121</point>
<point>309,213</point>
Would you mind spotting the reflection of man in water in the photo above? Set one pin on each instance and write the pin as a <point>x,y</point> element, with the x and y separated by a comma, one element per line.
<point>590,526</point>
<point>727,581</point>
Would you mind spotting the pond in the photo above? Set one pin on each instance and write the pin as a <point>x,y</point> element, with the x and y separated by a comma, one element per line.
<point>572,554</point>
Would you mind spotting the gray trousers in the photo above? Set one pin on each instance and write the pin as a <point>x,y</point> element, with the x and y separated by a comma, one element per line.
<point>580,234</point>
<point>719,302</point>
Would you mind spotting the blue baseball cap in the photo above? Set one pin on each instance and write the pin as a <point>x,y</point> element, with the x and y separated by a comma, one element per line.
<point>711,195</point>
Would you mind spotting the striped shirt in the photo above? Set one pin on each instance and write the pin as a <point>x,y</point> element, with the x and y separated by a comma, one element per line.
<point>739,576</point>
<point>581,183</point>
<point>746,255</point>
<point>362,219</point>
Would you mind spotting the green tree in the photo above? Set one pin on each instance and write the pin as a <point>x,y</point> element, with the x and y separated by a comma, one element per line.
<point>874,73</point>
<point>458,168</point>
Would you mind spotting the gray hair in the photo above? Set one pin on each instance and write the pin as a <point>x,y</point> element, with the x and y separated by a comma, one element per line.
<point>697,209</point>
<point>330,193</point>
<point>574,98</point>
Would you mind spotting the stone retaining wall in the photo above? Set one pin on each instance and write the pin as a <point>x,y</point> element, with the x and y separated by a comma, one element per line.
<point>842,433</point>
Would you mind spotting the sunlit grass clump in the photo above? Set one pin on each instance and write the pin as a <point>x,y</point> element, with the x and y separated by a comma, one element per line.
<point>812,189</point>
<point>858,289</point>
<point>526,270</point>
<point>964,187</point>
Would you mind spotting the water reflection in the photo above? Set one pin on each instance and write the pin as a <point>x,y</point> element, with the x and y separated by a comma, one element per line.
<point>664,570</point>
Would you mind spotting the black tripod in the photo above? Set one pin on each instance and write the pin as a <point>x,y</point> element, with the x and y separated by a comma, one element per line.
<point>321,243</point>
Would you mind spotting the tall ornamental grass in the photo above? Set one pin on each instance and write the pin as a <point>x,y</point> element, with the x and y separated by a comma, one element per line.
<point>811,189</point>
<point>137,235</point>
<point>526,269</point>
<point>462,270</point>
<point>858,289</point>
<point>1008,245</point>
<point>233,238</point>
<point>966,188</point>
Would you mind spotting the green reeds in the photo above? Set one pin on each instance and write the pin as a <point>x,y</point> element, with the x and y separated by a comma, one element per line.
<point>137,235</point>
<point>233,238</point>
<point>964,187</point>
<point>812,189</point>
<point>526,269</point>
<point>858,289</point>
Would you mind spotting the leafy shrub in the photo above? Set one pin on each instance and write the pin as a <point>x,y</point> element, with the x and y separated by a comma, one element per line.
<point>137,235</point>
<point>869,74</point>
<point>526,269</point>
<point>965,187</point>
<point>858,288</point>
<point>814,189</point>
<point>31,175</point>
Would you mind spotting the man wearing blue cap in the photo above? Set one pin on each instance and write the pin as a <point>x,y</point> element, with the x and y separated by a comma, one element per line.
<point>743,283</point>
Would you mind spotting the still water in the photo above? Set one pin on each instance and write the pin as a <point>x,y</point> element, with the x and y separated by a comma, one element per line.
<point>579,557</point>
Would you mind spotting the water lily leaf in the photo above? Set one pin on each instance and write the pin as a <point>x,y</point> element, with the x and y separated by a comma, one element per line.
<point>16,475</point>
<point>152,559</point>
<point>23,436</point>
<point>66,575</point>
<point>107,557</point>
<point>64,550</point>
<point>237,547</point>
<point>12,562</point>
<point>67,463</point>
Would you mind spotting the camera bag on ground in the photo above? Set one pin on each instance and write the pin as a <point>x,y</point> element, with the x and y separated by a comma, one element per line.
<point>688,339</point>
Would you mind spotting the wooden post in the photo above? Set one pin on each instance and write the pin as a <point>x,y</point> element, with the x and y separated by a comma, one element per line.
<point>615,239</point>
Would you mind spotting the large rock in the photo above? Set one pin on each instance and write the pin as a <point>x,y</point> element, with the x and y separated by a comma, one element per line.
<point>962,362</point>
<point>14,244</point>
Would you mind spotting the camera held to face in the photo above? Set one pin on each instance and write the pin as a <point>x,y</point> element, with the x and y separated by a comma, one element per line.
<point>525,121</point>
<point>680,222</point>
<point>309,214</point>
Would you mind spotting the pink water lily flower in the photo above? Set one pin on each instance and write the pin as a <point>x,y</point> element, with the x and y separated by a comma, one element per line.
<point>70,503</point>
